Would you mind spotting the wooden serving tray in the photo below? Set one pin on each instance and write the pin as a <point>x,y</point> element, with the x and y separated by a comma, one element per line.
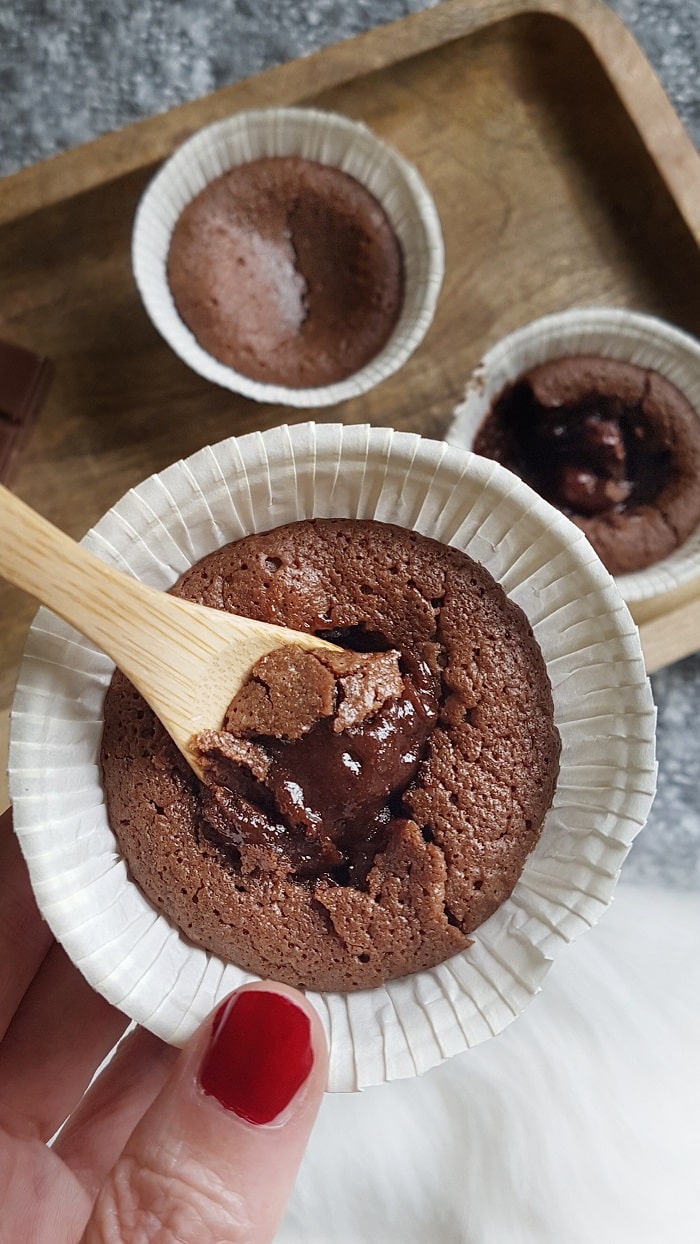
<point>562,176</point>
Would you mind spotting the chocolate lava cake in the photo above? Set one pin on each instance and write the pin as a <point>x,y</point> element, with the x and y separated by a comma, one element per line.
<point>288,271</point>
<point>363,812</point>
<point>616,447</point>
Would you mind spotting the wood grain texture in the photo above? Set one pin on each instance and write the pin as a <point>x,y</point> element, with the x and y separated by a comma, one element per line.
<point>116,154</point>
<point>671,635</point>
<point>560,171</point>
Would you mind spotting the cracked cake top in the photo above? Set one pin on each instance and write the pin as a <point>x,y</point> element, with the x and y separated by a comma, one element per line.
<point>613,445</point>
<point>363,812</point>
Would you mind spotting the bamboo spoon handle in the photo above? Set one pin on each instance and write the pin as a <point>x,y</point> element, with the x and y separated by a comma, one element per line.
<point>187,660</point>
<point>113,610</point>
<point>43,561</point>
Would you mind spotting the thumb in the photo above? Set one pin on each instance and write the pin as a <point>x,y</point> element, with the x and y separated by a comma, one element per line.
<point>214,1159</point>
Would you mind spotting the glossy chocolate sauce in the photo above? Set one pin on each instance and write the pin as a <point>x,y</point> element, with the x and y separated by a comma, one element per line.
<point>590,457</point>
<point>322,803</point>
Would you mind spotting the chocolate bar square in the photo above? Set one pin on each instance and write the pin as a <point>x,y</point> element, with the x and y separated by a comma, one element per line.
<point>24,382</point>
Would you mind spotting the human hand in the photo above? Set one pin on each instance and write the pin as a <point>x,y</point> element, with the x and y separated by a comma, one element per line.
<point>192,1146</point>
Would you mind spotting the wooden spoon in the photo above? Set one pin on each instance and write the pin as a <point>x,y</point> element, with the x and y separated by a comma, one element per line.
<point>187,661</point>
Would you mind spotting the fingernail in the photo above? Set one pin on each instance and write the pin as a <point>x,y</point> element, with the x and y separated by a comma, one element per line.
<point>259,1055</point>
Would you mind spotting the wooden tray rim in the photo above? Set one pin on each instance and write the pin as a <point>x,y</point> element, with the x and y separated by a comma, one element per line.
<point>152,139</point>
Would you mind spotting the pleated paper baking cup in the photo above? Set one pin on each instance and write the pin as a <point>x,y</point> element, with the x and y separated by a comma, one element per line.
<point>326,138</point>
<point>629,337</point>
<point>603,711</point>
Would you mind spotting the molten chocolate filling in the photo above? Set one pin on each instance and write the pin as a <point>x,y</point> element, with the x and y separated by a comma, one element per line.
<point>314,777</point>
<point>590,457</point>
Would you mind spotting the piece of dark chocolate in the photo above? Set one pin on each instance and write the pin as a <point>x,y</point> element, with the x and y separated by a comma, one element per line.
<point>25,378</point>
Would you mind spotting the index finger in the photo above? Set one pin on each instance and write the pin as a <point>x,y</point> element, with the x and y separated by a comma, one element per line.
<point>220,1147</point>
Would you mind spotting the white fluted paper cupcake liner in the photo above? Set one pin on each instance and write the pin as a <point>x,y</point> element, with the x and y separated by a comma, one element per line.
<point>603,710</point>
<point>327,138</point>
<point>627,336</point>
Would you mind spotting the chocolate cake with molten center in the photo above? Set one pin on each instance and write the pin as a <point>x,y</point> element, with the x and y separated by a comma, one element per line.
<point>616,447</point>
<point>363,812</point>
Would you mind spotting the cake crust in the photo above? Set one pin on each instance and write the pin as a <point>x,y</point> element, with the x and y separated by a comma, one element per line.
<point>288,271</point>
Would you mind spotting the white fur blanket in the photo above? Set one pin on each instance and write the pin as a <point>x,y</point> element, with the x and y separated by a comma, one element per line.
<point>580,1124</point>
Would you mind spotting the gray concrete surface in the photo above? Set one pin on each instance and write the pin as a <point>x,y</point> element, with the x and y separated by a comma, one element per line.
<point>73,69</point>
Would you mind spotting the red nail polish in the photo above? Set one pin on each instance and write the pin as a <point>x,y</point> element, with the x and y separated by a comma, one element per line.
<point>259,1054</point>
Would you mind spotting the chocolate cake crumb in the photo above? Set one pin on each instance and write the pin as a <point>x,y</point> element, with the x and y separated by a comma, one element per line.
<point>289,690</point>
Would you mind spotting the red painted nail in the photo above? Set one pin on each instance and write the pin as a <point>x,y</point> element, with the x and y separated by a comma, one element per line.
<point>259,1055</point>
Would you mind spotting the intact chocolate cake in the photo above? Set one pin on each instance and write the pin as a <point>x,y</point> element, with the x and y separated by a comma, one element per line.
<point>288,271</point>
<point>363,811</point>
<point>616,447</point>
